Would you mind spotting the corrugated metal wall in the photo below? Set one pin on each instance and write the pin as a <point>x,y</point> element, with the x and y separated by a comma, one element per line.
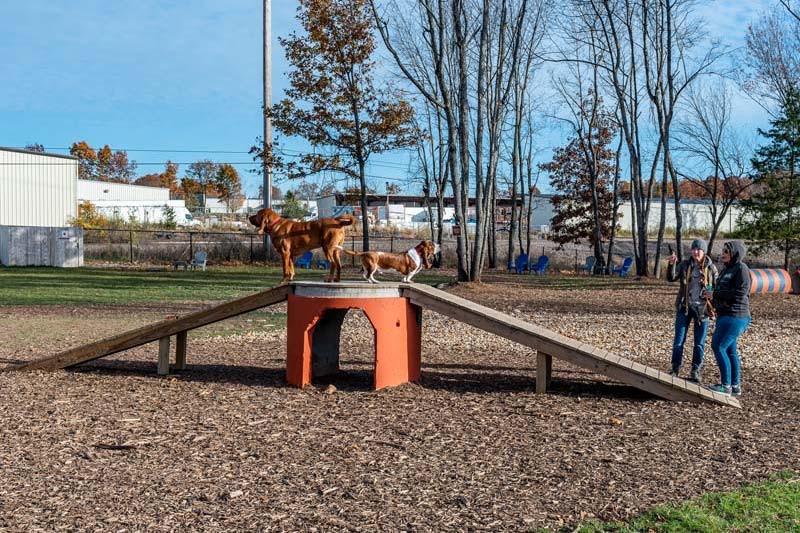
<point>26,246</point>
<point>37,189</point>
<point>104,190</point>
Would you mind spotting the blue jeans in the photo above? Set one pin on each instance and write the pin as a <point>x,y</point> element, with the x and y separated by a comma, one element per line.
<point>723,342</point>
<point>682,321</point>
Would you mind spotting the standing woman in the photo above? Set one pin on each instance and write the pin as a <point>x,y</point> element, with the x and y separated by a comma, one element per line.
<point>697,276</point>
<point>731,299</point>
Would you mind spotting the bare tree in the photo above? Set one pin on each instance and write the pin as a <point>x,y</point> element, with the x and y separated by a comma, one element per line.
<point>431,156</point>
<point>617,23</point>
<point>712,145</point>
<point>428,41</point>
<point>498,65</point>
<point>534,29</point>
<point>670,33</point>
<point>772,62</point>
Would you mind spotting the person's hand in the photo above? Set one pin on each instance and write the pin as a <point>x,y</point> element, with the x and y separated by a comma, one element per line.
<point>708,294</point>
<point>672,258</point>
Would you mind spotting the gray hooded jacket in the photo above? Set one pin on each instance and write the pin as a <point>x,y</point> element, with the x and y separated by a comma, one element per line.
<point>687,297</point>
<point>732,293</point>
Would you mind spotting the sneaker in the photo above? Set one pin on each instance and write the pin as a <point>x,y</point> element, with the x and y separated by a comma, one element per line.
<point>694,377</point>
<point>723,389</point>
<point>736,390</point>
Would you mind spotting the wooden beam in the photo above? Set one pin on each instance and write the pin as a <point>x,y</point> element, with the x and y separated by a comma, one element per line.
<point>159,330</point>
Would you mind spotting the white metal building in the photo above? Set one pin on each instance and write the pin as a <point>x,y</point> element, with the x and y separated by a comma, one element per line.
<point>95,191</point>
<point>133,202</point>
<point>36,189</point>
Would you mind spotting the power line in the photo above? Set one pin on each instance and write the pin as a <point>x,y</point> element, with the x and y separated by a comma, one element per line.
<point>249,163</point>
<point>282,151</point>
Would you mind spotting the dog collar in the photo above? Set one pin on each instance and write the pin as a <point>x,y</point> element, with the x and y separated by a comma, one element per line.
<point>272,225</point>
<point>418,248</point>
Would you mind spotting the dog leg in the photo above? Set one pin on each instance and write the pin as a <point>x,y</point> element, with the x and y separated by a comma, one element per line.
<point>413,273</point>
<point>337,258</point>
<point>288,267</point>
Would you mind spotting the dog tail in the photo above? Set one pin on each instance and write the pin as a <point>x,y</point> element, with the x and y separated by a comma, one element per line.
<point>349,252</point>
<point>346,220</point>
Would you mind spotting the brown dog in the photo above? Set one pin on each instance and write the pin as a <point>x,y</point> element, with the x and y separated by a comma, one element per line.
<point>291,239</point>
<point>408,263</point>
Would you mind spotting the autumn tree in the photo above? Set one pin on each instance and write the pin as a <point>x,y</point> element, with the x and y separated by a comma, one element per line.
<point>593,127</point>
<point>772,214</point>
<point>114,166</point>
<point>581,174</point>
<point>89,217</point>
<point>87,159</point>
<point>190,190</point>
<point>228,186</point>
<point>333,101</point>
<point>202,172</point>
<point>103,165</point>
<point>167,179</point>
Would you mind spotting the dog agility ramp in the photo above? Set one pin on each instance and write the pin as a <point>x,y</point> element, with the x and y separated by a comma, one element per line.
<point>550,344</point>
<point>158,331</point>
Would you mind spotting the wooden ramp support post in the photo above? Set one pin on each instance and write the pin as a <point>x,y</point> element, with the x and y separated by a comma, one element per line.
<point>316,312</point>
<point>544,371</point>
<point>180,352</point>
<point>163,356</point>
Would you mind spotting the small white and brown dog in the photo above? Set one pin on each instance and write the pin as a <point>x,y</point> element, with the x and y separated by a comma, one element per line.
<point>408,263</point>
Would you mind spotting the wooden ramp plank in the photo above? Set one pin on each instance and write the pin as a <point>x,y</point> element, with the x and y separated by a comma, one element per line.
<point>157,331</point>
<point>559,346</point>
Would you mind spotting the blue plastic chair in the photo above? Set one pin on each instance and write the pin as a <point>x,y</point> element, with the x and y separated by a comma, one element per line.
<point>521,264</point>
<point>304,260</point>
<point>540,269</point>
<point>323,263</point>
<point>589,266</point>
<point>624,269</point>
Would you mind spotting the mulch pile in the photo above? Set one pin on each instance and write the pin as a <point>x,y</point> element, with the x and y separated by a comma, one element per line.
<point>227,446</point>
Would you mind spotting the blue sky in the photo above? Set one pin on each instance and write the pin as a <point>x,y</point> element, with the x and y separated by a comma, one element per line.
<point>172,75</point>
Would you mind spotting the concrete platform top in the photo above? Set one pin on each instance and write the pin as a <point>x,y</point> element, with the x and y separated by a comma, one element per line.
<point>347,289</point>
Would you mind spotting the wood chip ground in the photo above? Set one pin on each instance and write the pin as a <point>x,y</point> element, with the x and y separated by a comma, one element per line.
<point>227,446</point>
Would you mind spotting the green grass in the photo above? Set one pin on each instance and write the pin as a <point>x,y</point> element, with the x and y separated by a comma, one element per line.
<point>71,286</point>
<point>572,282</point>
<point>772,506</point>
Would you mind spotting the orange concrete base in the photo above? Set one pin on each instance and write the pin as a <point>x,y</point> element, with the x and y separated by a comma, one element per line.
<point>396,323</point>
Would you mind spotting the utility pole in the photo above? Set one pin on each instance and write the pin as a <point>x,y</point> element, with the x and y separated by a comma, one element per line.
<point>387,204</point>
<point>267,118</point>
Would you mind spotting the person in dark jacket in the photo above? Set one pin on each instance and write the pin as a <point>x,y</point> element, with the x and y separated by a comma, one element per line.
<point>731,298</point>
<point>697,275</point>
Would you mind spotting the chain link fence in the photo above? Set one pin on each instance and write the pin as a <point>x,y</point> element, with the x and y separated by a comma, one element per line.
<point>167,246</point>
